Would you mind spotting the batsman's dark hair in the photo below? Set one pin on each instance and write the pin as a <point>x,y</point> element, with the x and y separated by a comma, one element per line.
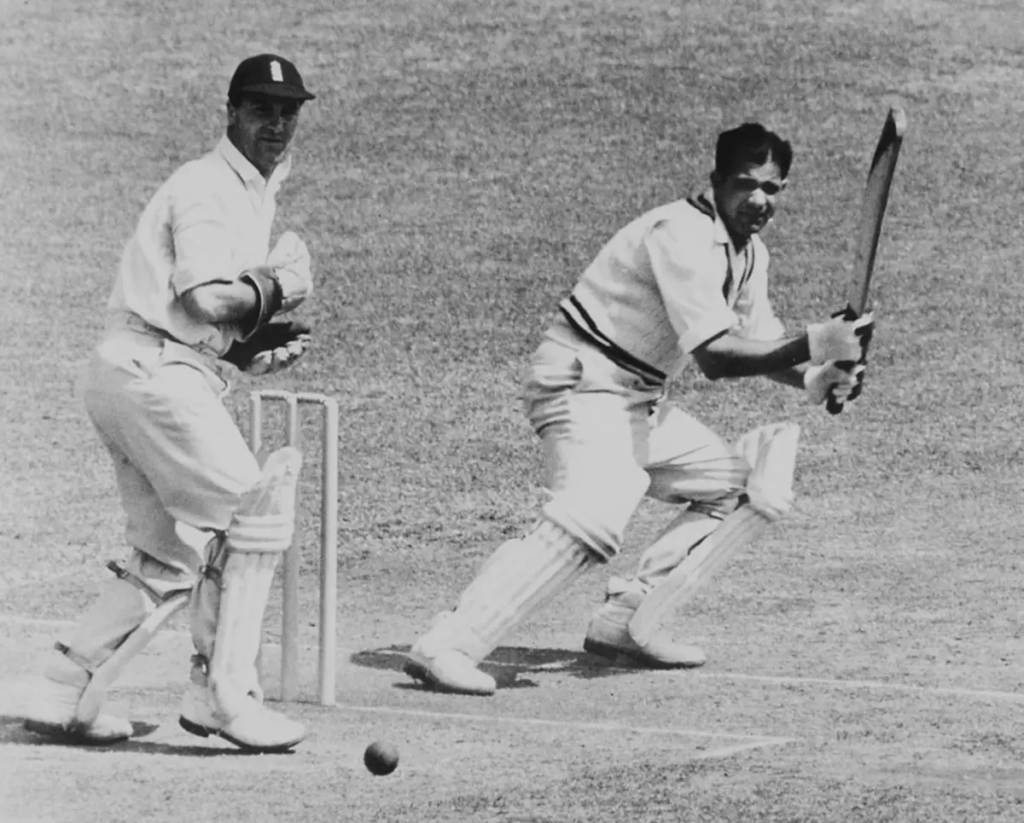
<point>751,143</point>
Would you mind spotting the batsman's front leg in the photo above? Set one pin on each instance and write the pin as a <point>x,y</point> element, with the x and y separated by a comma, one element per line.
<point>771,452</point>
<point>608,633</point>
<point>691,466</point>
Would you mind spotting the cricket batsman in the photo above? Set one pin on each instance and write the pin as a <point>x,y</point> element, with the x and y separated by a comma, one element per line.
<point>685,281</point>
<point>199,287</point>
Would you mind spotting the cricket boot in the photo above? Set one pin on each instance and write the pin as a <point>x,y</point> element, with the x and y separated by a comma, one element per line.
<point>433,662</point>
<point>53,709</point>
<point>521,576</point>
<point>608,634</point>
<point>250,725</point>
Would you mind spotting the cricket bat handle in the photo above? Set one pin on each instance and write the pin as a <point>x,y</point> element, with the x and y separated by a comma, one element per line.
<point>836,406</point>
<point>833,405</point>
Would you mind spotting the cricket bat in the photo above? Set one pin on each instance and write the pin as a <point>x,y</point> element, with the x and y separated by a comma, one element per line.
<point>876,198</point>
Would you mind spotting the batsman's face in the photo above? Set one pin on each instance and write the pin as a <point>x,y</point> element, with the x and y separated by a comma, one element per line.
<point>262,128</point>
<point>746,199</point>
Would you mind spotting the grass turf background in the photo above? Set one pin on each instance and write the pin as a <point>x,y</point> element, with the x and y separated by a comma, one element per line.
<point>460,166</point>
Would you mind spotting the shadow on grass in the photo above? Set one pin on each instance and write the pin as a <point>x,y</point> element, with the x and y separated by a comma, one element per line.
<point>13,732</point>
<point>510,666</point>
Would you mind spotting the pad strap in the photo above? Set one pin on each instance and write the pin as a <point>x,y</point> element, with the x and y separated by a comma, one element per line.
<point>138,583</point>
<point>74,657</point>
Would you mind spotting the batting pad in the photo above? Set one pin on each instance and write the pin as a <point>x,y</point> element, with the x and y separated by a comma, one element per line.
<point>673,545</point>
<point>227,613</point>
<point>91,702</point>
<point>124,618</point>
<point>771,452</point>
<point>518,578</point>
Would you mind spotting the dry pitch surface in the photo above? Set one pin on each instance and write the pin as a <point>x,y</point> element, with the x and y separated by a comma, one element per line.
<point>462,163</point>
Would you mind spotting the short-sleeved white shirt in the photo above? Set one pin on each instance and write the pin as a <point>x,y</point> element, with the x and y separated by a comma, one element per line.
<point>668,282</point>
<point>209,222</point>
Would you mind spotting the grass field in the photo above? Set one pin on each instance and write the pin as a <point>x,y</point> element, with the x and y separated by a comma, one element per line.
<point>462,163</point>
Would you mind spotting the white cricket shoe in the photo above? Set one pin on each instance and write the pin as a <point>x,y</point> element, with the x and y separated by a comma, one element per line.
<point>255,728</point>
<point>433,662</point>
<point>450,671</point>
<point>608,635</point>
<point>53,710</point>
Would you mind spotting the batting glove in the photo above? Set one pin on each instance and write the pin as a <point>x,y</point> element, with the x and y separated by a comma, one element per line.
<point>830,380</point>
<point>842,338</point>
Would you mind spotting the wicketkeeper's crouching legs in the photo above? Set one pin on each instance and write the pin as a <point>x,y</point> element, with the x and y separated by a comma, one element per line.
<point>223,696</point>
<point>68,701</point>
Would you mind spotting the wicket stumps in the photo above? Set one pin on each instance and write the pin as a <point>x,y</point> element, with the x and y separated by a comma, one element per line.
<point>328,540</point>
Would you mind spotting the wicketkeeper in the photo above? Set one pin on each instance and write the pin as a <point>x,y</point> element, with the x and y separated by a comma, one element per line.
<point>199,287</point>
<point>685,281</point>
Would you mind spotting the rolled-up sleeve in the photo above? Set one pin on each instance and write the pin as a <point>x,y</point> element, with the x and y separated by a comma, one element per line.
<point>689,286</point>
<point>199,226</point>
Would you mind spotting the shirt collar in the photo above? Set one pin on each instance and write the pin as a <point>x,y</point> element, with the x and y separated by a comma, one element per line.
<point>705,200</point>
<point>247,171</point>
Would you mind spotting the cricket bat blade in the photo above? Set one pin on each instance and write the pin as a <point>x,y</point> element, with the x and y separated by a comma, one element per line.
<point>873,206</point>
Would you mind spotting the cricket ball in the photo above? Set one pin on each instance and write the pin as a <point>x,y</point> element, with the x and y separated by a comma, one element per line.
<point>381,758</point>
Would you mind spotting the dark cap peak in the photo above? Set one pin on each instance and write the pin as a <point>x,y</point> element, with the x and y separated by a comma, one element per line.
<point>270,75</point>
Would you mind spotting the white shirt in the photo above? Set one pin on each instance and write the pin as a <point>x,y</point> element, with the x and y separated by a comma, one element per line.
<point>209,222</point>
<point>668,282</point>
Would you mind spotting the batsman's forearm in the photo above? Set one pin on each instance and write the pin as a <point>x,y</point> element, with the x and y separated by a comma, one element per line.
<point>792,353</point>
<point>731,356</point>
<point>790,377</point>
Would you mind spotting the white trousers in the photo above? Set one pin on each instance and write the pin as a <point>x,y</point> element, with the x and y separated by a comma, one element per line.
<point>608,441</point>
<point>178,457</point>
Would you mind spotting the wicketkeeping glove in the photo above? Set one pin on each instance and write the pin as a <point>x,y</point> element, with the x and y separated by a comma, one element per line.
<point>271,348</point>
<point>831,380</point>
<point>281,284</point>
<point>291,263</point>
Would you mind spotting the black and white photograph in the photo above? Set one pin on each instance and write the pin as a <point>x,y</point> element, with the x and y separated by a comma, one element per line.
<point>513,412</point>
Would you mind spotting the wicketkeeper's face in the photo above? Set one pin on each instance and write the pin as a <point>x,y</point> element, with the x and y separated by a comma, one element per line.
<point>262,128</point>
<point>746,199</point>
